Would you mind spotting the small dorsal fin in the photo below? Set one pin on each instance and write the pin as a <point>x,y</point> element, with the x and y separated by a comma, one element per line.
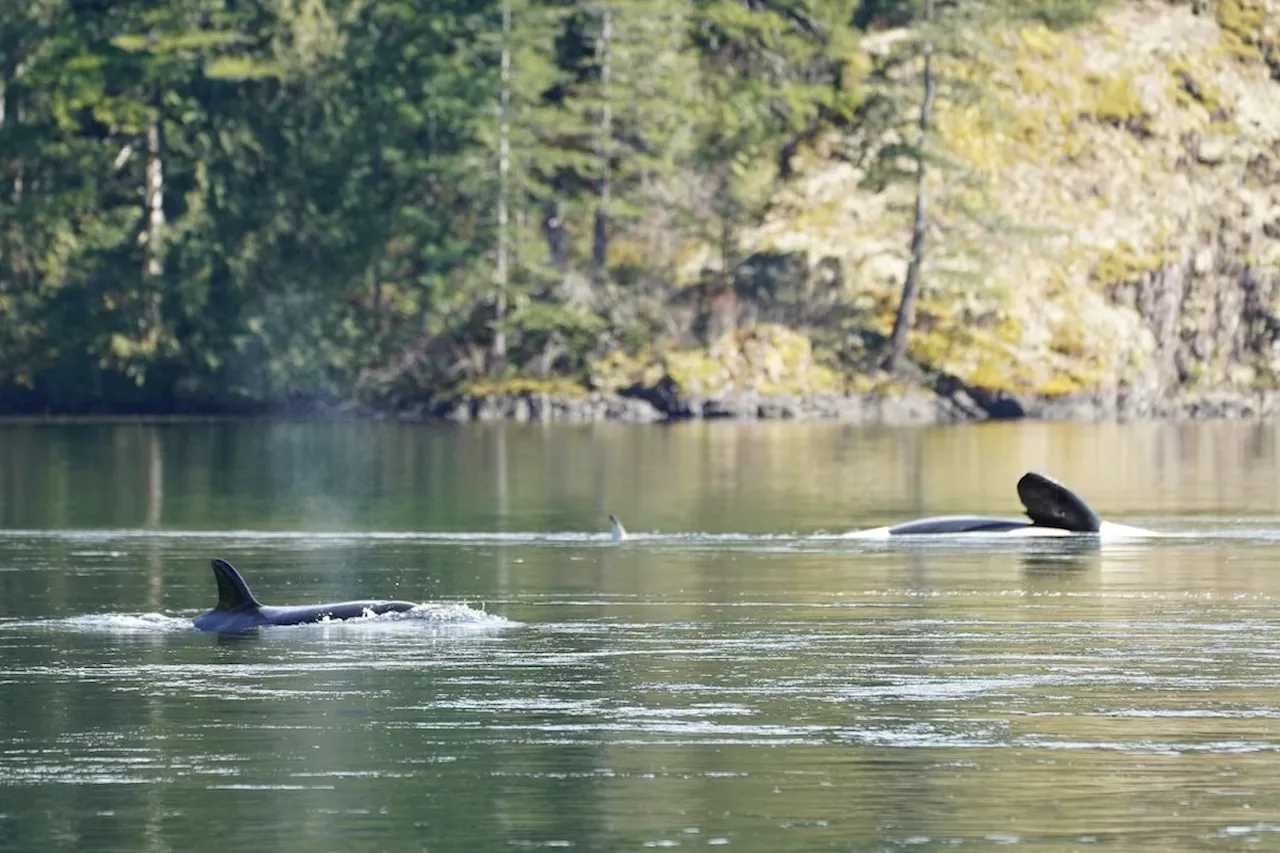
<point>1051,504</point>
<point>233,592</point>
<point>616,530</point>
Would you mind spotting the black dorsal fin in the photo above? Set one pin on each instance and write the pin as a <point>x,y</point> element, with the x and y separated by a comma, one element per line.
<point>233,592</point>
<point>1051,504</point>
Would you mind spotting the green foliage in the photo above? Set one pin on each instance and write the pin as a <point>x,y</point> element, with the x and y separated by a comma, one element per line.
<point>1056,14</point>
<point>215,204</point>
<point>774,74</point>
<point>240,68</point>
<point>549,337</point>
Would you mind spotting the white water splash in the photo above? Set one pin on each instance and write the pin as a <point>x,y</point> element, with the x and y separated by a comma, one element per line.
<point>449,615</point>
<point>107,623</point>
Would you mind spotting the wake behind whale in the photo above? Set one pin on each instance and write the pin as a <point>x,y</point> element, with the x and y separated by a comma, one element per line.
<point>238,610</point>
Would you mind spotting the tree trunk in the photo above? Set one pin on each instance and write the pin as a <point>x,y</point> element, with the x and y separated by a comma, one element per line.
<point>502,270</point>
<point>380,322</point>
<point>604,146</point>
<point>557,238</point>
<point>906,316</point>
<point>155,202</point>
<point>153,268</point>
<point>18,72</point>
<point>728,236</point>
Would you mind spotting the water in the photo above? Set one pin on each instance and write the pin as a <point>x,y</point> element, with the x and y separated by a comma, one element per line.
<point>734,676</point>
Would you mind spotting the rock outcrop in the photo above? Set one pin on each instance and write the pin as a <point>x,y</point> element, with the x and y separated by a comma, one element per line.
<point>1129,257</point>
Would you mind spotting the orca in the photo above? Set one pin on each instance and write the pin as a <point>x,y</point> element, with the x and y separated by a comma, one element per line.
<point>1052,510</point>
<point>237,610</point>
<point>616,531</point>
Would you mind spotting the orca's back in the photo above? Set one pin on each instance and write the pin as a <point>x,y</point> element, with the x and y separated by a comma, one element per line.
<point>957,524</point>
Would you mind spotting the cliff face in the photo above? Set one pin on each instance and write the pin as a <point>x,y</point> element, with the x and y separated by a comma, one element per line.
<point>1134,168</point>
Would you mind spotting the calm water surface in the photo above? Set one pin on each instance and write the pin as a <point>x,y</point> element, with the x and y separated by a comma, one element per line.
<point>733,676</point>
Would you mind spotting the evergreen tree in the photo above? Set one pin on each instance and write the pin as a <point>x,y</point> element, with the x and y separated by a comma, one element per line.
<point>905,86</point>
<point>774,73</point>
<point>217,203</point>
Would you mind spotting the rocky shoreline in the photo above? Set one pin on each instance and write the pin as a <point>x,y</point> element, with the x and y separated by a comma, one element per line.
<point>919,407</point>
<point>914,407</point>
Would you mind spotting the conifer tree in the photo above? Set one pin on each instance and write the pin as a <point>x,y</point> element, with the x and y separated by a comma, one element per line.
<point>773,73</point>
<point>906,85</point>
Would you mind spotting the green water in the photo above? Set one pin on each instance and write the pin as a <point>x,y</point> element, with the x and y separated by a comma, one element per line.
<point>732,676</point>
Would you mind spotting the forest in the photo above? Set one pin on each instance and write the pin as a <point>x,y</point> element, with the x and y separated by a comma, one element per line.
<point>236,205</point>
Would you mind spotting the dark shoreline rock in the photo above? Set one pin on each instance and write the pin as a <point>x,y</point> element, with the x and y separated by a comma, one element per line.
<point>544,408</point>
<point>913,408</point>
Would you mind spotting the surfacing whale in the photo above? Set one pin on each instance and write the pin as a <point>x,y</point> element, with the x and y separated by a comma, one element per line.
<point>1052,510</point>
<point>237,609</point>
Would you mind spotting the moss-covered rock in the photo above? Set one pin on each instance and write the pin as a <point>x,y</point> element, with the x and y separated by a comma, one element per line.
<point>1249,29</point>
<point>520,387</point>
<point>767,359</point>
<point>1192,87</point>
<point>1114,99</point>
<point>1124,263</point>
